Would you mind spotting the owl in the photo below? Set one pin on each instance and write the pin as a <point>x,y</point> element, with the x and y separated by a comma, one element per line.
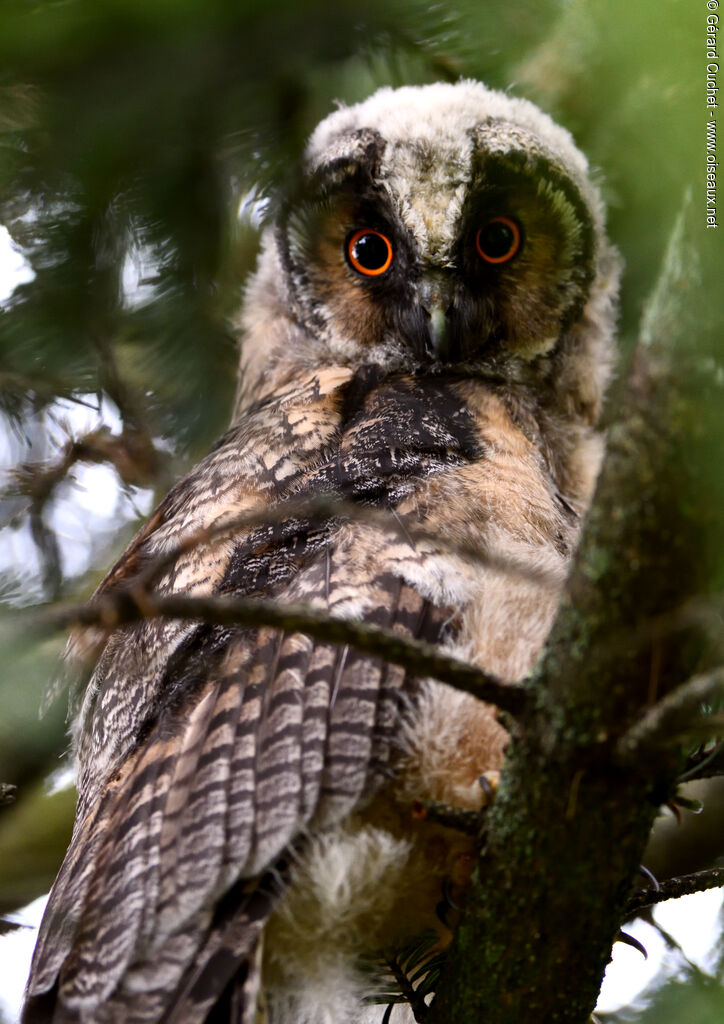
<point>424,345</point>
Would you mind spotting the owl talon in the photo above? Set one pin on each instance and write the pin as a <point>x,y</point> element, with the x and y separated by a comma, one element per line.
<point>680,802</point>
<point>441,911</point>
<point>447,903</point>
<point>688,804</point>
<point>643,870</point>
<point>629,940</point>
<point>675,810</point>
<point>489,783</point>
<point>447,884</point>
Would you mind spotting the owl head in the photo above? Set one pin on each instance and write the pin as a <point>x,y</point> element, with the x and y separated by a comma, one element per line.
<point>438,226</point>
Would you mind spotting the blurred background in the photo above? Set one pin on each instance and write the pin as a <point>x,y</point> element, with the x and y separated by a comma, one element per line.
<point>139,143</point>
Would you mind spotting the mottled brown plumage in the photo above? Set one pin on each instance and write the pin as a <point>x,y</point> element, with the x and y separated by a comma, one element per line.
<point>246,833</point>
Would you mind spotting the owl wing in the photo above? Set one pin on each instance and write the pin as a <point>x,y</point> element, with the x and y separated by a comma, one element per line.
<point>228,744</point>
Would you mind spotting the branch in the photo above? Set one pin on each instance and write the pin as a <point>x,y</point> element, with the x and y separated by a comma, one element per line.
<point>131,453</point>
<point>470,823</point>
<point>134,457</point>
<point>673,888</point>
<point>126,606</point>
<point>671,718</point>
<point>7,926</point>
<point>47,544</point>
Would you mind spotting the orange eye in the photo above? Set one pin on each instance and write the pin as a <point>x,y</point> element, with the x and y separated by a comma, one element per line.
<point>369,252</point>
<point>498,241</point>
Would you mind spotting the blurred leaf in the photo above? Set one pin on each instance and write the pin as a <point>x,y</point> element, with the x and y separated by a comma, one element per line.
<point>28,743</point>
<point>689,996</point>
<point>33,838</point>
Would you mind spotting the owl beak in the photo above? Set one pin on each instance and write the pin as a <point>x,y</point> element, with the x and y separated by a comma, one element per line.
<point>435,292</point>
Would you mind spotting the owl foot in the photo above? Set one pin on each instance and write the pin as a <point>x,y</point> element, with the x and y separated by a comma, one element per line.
<point>650,876</point>
<point>629,940</point>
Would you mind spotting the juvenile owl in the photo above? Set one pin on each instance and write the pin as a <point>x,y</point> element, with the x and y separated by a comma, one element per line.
<point>425,342</point>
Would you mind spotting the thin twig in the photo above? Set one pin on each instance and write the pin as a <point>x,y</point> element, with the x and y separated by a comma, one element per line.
<point>671,718</point>
<point>673,888</point>
<point>46,542</point>
<point>7,926</point>
<point>123,606</point>
<point>133,455</point>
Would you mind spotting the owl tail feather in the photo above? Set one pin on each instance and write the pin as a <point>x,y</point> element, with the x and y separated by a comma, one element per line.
<point>221,987</point>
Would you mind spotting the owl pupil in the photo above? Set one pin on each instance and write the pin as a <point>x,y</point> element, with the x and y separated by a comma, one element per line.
<point>370,251</point>
<point>496,239</point>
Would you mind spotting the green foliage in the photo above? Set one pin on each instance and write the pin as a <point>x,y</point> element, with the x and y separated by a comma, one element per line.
<point>688,995</point>
<point>35,834</point>
<point>29,744</point>
<point>410,973</point>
